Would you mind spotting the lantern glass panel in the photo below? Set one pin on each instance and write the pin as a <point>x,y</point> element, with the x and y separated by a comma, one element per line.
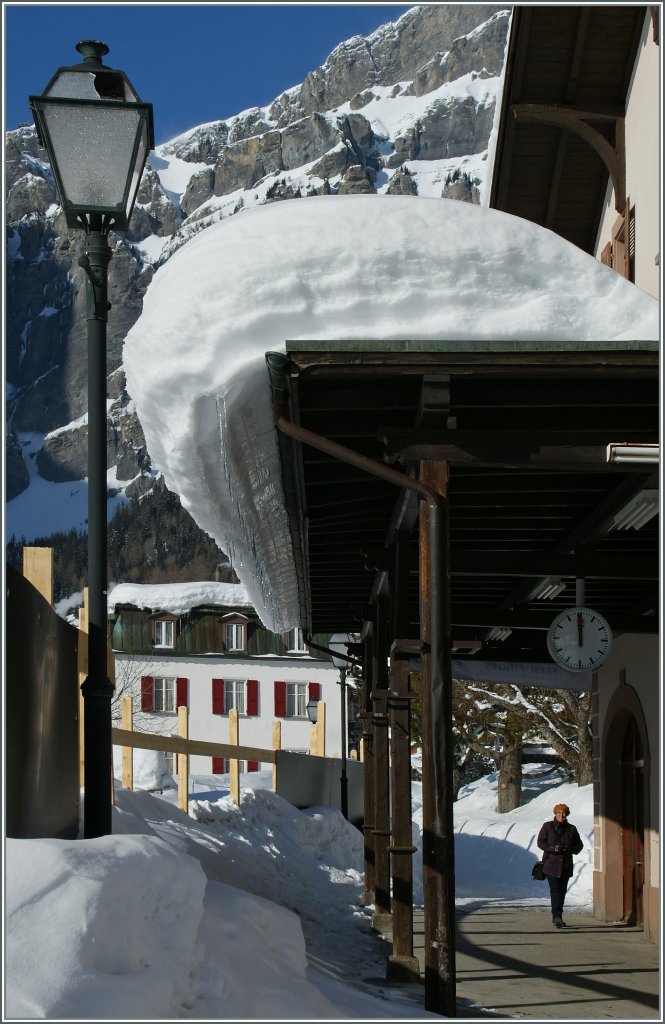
<point>80,85</point>
<point>94,150</point>
<point>139,163</point>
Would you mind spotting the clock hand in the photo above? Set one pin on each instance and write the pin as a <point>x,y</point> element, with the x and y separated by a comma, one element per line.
<point>580,629</point>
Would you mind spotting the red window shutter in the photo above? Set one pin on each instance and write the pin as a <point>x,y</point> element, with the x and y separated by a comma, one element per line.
<point>147,693</point>
<point>218,766</point>
<point>180,693</point>
<point>252,766</point>
<point>280,700</point>
<point>218,696</point>
<point>252,696</point>
<point>315,691</point>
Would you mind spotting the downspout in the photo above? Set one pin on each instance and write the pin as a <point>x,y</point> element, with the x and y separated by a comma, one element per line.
<point>277,366</point>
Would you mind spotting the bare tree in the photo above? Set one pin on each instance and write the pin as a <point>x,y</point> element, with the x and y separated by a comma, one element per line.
<point>128,676</point>
<point>560,718</point>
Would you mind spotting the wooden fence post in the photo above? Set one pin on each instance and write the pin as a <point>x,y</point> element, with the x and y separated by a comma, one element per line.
<point>183,761</point>
<point>276,745</point>
<point>38,569</point>
<point>127,752</point>
<point>234,774</point>
<point>321,730</point>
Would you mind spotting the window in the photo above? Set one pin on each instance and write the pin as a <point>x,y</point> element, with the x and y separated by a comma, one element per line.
<point>234,636</point>
<point>295,643</point>
<point>241,694</point>
<point>620,252</point>
<point>234,695</point>
<point>163,693</point>
<point>169,762</point>
<point>290,700</point>
<point>222,765</point>
<point>164,632</point>
<point>296,700</point>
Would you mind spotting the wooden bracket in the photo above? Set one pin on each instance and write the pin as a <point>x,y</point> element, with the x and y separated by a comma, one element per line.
<point>576,121</point>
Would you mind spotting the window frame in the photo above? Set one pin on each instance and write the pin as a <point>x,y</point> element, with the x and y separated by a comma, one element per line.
<point>295,695</point>
<point>163,690</point>
<point>236,628</point>
<point>233,688</point>
<point>156,623</point>
<point>300,647</point>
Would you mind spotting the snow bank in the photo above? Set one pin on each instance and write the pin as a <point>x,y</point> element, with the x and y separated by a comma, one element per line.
<point>127,911</point>
<point>244,913</point>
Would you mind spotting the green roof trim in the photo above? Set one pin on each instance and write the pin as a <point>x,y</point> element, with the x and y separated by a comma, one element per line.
<point>450,345</point>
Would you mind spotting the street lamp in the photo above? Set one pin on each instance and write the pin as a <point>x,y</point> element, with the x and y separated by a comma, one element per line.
<point>339,644</point>
<point>97,134</point>
<point>312,709</point>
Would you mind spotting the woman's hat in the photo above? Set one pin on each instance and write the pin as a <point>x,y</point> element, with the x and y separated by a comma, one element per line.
<point>562,807</point>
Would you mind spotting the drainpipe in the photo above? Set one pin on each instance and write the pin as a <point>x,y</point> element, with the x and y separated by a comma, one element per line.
<point>440,699</point>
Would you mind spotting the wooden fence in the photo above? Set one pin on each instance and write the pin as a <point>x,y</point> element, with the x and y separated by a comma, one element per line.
<point>185,747</point>
<point>38,569</point>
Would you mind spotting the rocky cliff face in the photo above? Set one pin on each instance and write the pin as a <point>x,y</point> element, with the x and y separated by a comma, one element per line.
<point>407,110</point>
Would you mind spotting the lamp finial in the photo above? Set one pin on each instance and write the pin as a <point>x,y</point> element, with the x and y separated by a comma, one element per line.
<point>92,50</point>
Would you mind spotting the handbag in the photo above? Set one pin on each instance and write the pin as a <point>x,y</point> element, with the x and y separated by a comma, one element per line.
<point>537,871</point>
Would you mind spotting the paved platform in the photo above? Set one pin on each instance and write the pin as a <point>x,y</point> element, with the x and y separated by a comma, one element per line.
<point>513,963</point>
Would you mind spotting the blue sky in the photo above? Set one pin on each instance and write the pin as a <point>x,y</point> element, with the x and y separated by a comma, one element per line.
<point>193,62</point>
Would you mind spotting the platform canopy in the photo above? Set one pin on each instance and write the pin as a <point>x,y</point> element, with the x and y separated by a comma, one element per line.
<point>407,329</point>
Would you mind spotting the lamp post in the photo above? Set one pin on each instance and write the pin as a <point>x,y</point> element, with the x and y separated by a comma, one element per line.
<point>339,644</point>
<point>97,134</point>
<point>312,709</point>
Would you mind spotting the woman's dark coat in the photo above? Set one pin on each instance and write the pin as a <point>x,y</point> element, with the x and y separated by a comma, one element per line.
<point>559,841</point>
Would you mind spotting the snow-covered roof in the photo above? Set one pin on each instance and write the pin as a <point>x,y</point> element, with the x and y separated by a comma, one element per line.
<point>343,268</point>
<point>179,598</point>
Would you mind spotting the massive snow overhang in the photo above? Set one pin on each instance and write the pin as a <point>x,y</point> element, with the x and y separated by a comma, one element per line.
<point>368,269</point>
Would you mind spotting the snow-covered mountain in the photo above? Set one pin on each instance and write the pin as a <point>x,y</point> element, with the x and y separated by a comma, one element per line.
<point>407,110</point>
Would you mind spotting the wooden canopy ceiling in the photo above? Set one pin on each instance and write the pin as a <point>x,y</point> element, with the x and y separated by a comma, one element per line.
<point>523,432</point>
<point>531,493</point>
<point>560,136</point>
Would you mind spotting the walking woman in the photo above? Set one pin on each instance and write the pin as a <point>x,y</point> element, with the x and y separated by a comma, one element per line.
<point>559,841</point>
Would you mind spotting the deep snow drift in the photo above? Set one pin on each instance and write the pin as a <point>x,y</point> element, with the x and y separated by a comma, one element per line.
<point>244,913</point>
<point>372,268</point>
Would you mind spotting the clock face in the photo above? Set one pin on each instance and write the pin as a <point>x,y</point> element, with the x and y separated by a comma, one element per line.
<point>579,639</point>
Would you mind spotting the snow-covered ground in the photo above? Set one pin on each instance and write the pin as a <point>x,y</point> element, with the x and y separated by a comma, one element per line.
<point>243,913</point>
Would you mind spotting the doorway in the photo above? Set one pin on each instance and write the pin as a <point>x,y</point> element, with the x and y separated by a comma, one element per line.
<point>622,887</point>
<point>632,824</point>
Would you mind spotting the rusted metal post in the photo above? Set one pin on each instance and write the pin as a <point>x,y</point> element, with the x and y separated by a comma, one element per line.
<point>368,764</point>
<point>382,918</point>
<point>436,712</point>
<point>403,966</point>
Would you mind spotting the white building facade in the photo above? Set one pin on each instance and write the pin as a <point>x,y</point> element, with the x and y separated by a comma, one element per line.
<point>176,645</point>
<point>629,239</point>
